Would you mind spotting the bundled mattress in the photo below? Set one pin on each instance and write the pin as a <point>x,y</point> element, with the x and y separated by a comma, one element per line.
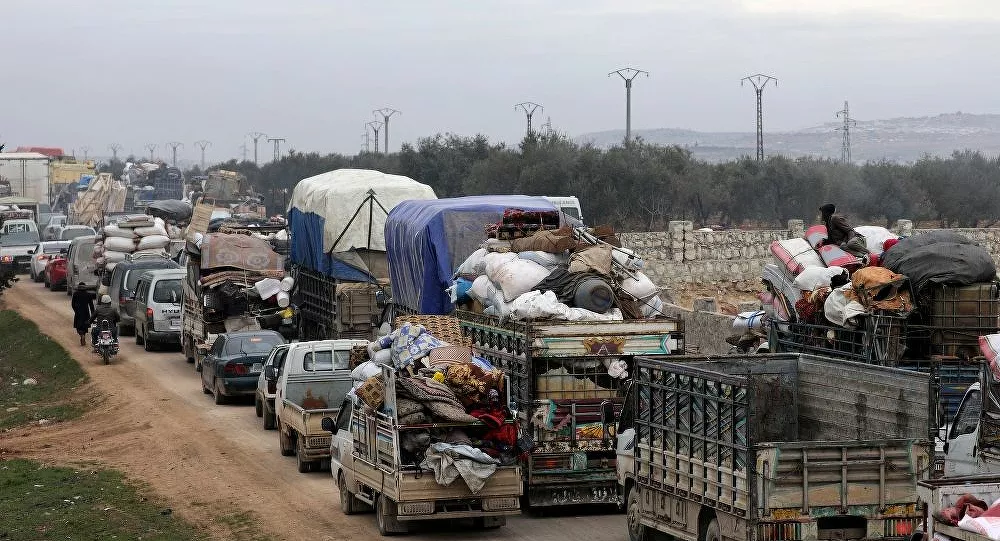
<point>833,256</point>
<point>796,255</point>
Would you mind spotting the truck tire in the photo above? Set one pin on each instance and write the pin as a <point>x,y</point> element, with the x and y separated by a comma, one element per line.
<point>285,443</point>
<point>349,505</point>
<point>258,408</point>
<point>712,531</point>
<point>269,422</point>
<point>636,531</point>
<point>304,465</point>
<point>385,517</point>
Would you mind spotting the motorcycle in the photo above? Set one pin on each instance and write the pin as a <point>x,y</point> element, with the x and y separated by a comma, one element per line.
<point>106,344</point>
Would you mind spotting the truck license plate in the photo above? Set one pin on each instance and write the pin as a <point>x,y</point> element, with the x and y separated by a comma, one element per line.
<point>257,368</point>
<point>175,322</point>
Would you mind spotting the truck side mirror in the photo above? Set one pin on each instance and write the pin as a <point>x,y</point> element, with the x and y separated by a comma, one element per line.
<point>327,424</point>
<point>271,373</point>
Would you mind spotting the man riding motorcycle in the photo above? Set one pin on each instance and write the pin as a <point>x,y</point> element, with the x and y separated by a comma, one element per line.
<point>104,312</point>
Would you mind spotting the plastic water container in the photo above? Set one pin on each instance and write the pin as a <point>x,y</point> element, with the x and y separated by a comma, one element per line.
<point>287,283</point>
<point>283,299</point>
<point>594,294</point>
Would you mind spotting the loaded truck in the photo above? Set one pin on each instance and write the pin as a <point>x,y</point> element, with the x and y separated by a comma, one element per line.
<point>27,174</point>
<point>559,371</point>
<point>938,495</point>
<point>773,448</point>
<point>219,290</point>
<point>338,249</point>
<point>312,383</point>
<point>367,464</point>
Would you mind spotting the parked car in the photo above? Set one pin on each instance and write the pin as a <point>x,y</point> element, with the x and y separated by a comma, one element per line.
<point>124,279</point>
<point>80,264</point>
<point>70,232</point>
<point>268,387</point>
<point>54,275</point>
<point>41,254</point>
<point>157,309</point>
<point>233,365</point>
<point>50,229</point>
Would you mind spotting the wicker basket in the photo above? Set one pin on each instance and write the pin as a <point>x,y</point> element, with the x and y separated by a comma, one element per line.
<point>442,327</point>
<point>372,392</point>
<point>359,354</point>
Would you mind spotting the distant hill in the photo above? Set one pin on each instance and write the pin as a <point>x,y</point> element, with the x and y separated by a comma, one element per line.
<point>896,139</point>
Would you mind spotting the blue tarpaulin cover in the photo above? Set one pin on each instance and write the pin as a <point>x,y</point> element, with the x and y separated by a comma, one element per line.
<point>305,249</point>
<point>426,241</point>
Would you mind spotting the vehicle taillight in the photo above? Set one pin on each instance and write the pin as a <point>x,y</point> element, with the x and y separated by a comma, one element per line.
<point>43,257</point>
<point>235,369</point>
<point>149,313</point>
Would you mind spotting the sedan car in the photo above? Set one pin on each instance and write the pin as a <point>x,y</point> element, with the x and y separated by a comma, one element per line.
<point>54,274</point>
<point>233,365</point>
<point>41,254</point>
<point>267,388</point>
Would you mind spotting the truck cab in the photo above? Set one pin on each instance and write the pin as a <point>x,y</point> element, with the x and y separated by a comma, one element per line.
<point>962,446</point>
<point>18,236</point>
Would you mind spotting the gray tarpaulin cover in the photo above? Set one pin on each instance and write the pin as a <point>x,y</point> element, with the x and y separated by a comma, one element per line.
<point>940,257</point>
<point>449,462</point>
<point>170,209</point>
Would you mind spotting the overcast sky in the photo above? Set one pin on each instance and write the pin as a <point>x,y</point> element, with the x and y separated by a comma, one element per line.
<point>97,72</point>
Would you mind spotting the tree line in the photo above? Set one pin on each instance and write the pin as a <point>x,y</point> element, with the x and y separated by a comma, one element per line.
<point>640,186</point>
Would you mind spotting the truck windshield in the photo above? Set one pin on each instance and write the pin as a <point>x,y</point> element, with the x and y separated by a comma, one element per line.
<point>326,360</point>
<point>21,238</point>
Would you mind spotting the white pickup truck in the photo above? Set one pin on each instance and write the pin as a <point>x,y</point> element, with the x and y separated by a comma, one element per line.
<point>312,383</point>
<point>18,236</point>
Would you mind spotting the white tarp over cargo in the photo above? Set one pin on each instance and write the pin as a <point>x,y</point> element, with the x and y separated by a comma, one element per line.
<point>353,204</point>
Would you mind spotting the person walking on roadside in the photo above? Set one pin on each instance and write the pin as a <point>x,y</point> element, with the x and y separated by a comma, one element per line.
<point>83,308</point>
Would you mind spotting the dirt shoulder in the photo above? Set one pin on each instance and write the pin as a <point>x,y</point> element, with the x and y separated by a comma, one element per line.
<point>226,488</point>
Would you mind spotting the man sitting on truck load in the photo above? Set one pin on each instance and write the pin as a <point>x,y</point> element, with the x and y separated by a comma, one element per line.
<point>839,232</point>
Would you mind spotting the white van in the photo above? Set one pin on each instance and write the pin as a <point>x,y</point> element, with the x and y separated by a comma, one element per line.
<point>157,308</point>
<point>569,205</point>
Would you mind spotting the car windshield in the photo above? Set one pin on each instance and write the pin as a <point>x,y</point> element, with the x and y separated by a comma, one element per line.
<point>74,232</point>
<point>54,248</point>
<point>326,360</point>
<point>252,345</point>
<point>20,238</point>
<point>167,291</point>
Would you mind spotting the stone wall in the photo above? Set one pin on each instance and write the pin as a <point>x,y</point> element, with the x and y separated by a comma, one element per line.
<point>682,255</point>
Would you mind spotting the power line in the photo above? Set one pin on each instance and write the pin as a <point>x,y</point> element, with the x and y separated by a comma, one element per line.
<point>759,81</point>
<point>277,150</point>
<point>628,74</point>
<point>85,150</point>
<point>529,108</point>
<point>386,112</point>
<point>375,125</point>
<point>174,145</point>
<point>114,148</point>
<point>202,145</point>
<point>256,136</point>
<point>845,145</point>
<point>151,147</point>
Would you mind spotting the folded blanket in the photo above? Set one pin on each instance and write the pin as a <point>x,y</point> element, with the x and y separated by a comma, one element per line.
<point>436,397</point>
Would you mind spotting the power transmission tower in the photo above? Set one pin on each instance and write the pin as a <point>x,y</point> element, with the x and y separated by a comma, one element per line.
<point>366,141</point>
<point>85,149</point>
<point>202,145</point>
<point>529,108</point>
<point>386,112</point>
<point>244,148</point>
<point>114,148</point>
<point>628,74</point>
<point>759,81</point>
<point>375,126</point>
<point>547,126</point>
<point>174,145</point>
<point>151,147</point>
<point>277,150</point>
<point>256,136</point>
<point>845,145</point>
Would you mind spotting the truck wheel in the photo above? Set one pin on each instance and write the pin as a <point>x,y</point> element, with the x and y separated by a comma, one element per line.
<point>305,466</point>
<point>257,407</point>
<point>349,505</point>
<point>385,517</point>
<point>712,531</point>
<point>636,531</point>
<point>269,423</point>
<point>139,340</point>
<point>285,442</point>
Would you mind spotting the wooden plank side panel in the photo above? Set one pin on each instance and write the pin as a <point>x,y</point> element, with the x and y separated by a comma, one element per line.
<point>506,481</point>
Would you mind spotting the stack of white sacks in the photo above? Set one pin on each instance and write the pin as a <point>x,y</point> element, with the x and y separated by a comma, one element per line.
<point>146,235</point>
<point>505,282</point>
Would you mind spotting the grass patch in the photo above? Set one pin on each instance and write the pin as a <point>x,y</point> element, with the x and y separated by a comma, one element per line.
<point>27,353</point>
<point>66,503</point>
